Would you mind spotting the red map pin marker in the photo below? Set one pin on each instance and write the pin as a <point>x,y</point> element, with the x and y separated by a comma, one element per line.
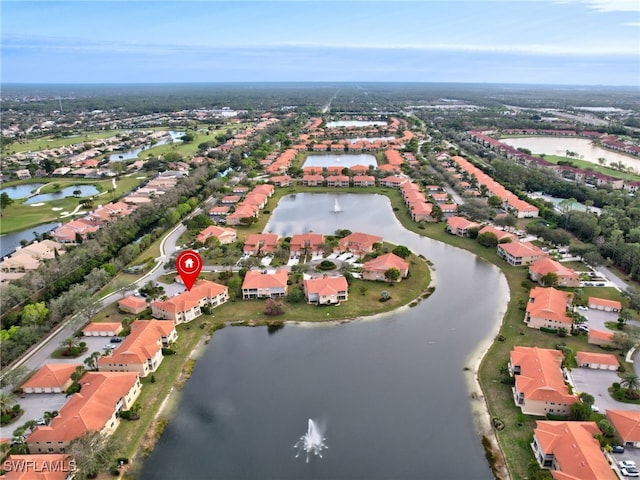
<point>189,264</point>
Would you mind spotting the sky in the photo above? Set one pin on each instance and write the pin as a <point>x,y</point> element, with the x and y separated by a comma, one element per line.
<point>557,42</point>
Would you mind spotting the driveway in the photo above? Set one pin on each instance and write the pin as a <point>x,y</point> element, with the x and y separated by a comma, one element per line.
<point>597,383</point>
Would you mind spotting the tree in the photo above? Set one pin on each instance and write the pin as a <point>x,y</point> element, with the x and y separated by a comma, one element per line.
<point>384,296</point>
<point>436,213</point>
<point>623,317</point>
<point>549,280</point>
<point>70,343</point>
<point>630,381</point>
<point>488,239</point>
<point>623,341</point>
<point>34,314</point>
<point>92,453</point>
<point>494,201</point>
<point>7,401</point>
<point>273,307</point>
<point>401,251</point>
<point>295,295</point>
<point>392,275</point>
<point>607,429</point>
<point>92,361</point>
<point>580,412</point>
<point>5,200</point>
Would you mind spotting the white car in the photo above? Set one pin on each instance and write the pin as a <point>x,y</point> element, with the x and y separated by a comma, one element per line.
<point>108,346</point>
<point>627,464</point>
<point>630,472</point>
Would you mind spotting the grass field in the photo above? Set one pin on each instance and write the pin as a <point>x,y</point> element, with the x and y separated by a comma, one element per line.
<point>46,143</point>
<point>19,216</point>
<point>592,166</point>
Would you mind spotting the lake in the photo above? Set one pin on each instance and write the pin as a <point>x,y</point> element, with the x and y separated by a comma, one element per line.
<point>20,191</point>
<point>355,123</point>
<point>392,390</point>
<point>346,160</point>
<point>85,191</point>
<point>582,146</point>
<point>133,153</point>
<point>10,241</point>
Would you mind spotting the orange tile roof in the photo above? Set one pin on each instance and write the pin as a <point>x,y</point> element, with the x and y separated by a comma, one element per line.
<point>501,234</point>
<point>142,343</point>
<point>51,375</point>
<point>131,302</point>
<point>601,334</point>
<point>104,326</point>
<point>326,285</point>
<point>214,231</point>
<point>548,265</point>
<point>385,262</point>
<point>358,241</point>
<point>189,299</point>
<point>576,451</point>
<point>540,376</point>
<point>601,358</point>
<point>627,424</point>
<point>52,466</point>
<point>521,249</point>
<point>88,410</point>
<point>260,280</point>
<point>461,223</point>
<point>263,241</point>
<point>549,303</point>
<point>604,302</point>
<point>306,240</point>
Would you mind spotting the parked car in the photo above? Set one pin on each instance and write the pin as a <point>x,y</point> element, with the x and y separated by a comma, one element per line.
<point>109,346</point>
<point>582,307</point>
<point>617,449</point>
<point>583,328</point>
<point>40,421</point>
<point>595,408</point>
<point>630,472</point>
<point>627,464</point>
<point>116,339</point>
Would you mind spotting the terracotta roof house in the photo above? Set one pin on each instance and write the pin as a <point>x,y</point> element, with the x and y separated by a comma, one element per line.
<point>242,212</point>
<point>133,304</point>
<point>540,387</point>
<point>224,235</point>
<point>51,378</point>
<point>265,284</point>
<point>375,269</point>
<point>520,253</point>
<point>604,304</point>
<point>544,266</point>
<point>102,329</point>
<point>547,307</point>
<point>364,181</point>
<point>600,337</point>
<point>570,451</point>
<point>358,243</point>
<point>265,189</point>
<point>260,243</point>
<point>141,350</point>
<point>312,242</point>
<point>222,210</point>
<point>326,290</point>
<point>338,181</point>
<point>312,180</point>
<point>57,466</point>
<point>501,234</point>
<point>281,180</point>
<point>421,212</point>
<point>597,361</point>
<point>393,181</point>
<point>627,424</point>
<point>94,409</point>
<point>187,305</point>
<point>460,226</point>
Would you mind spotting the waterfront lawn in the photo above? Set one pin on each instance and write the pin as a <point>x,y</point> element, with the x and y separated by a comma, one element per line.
<point>584,164</point>
<point>129,434</point>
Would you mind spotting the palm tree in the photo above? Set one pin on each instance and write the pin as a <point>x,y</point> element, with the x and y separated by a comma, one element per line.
<point>70,343</point>
<point>631,381</point>
<point>6,403</point>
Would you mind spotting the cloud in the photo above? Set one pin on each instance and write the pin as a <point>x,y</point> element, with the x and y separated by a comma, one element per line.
<point>606,6</point>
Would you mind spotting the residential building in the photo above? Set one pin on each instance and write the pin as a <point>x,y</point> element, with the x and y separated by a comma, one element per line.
<point>310,242</point>
<point>520,253</point>
<point>51,378</point>
<point>281,180</point>
<point>312,180</point>
<point>597,361</point>
<point>260,243</point>
<point>600,337</point>
<point>547,308</point>
<point>338,181</point>
<point>55,466</point>
<point>540,387</point>
<point>364,181</point>
<point>141,350</point>
<point>265,284</point>
<point>102,329</point>
<point>545,266</point>
<point>188,305</point>
<point>94,409</point>
<point>326,290</point>
<point>570,451</point>
<point>393,181</point>
<point>500,234</point>
<point>224,235</point>
<point>627,424</point>
<point>358,243</point>
<point>376,268</point>
<point>604,304</point>
<point>133,304</point>
<point>460,226</point>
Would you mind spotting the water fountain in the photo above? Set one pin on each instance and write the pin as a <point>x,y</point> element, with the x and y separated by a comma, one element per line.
<point>336,207</point>
<point>311,442</point>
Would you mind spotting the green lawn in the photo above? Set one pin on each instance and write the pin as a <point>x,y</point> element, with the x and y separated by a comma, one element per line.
<point>584,164</point>
<point>46,143</point>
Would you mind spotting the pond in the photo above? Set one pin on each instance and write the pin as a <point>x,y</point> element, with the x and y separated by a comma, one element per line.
<point>10,241</point>
<point>582,146</point>
<point>355,123</point>
<point>85,191</point>
<point>133,153</point>
<point>21,191</point>
<point>345,160</point>
<point>392,390</point>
